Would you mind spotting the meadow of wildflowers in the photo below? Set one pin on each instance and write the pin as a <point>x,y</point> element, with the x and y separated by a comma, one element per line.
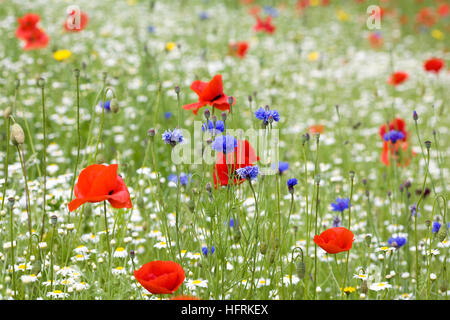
<point>229,150</point>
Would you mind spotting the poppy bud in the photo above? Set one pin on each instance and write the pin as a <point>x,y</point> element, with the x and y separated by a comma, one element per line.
<point>53,220</point>
<point>114,105</point>
<point>250,98</point>
<point>237,235</point>
<point>368,239</point>
<point>442,234</point>
<point>263,247</point>
<point>272,256</point>
<point>41,82</point>
<point>428,144</point>
<point>177,90</point>
<point>11,201</point>
<point>415,115</point>
<point>151,132</point>
<point>7,112</point>
<point>76,72</point>
<point>17,134</point>
<point>224,116</point>
<point>427,223</point>
<point>352,174</point>
<point>230,100</point>
<point>301,269</point>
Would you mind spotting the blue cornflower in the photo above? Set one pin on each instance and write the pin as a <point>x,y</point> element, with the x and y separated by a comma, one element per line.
<point>341,204</point>
<point>291,183</point>
<point>203,15</point>
<point>225,144</point>
<point>233,223</point>
<point>173,137</point>
<point>168,115</point>
<point>184,178</point>
<point>205,250</point>
<point>271,11</point>
<point>397,242</point>
<point>107,105</point>
<point>267,115</point>
<point>336,222</point>
<point>220,126</point>
<point>283,166</point>
<point>436,227</point>
<point>414,210</point>
<point>250,172</point>
<point>394,136</point>
<point>151,29</point>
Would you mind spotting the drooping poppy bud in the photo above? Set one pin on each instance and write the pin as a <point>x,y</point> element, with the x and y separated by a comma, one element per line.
<point>17,134</point>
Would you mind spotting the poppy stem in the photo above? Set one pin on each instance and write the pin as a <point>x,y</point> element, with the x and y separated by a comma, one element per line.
<point>352,177</point>
<point>12,248</point>
<point>102,121</point>
<point>107,238</point>
<point>27,194</point>
<point>41,84</point>
<point>77,78</point>
<point>317,178</point>
<point>6,165</point>
<point>415,222</point>
<point>256,237</point>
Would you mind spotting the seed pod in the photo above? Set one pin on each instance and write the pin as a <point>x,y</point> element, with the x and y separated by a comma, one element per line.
<point>7,112</point>
<point>301,269</point>
<point>53,220</point>
<point>17,134</point>
<point>114,105</point>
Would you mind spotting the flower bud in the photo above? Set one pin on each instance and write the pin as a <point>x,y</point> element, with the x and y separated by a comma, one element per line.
<point>207,114</point>
<point>301,269</point>
<point>76,72</point>
<point>442,234</point>
<point>11,201</point>
<point>263,247</point>
<point>415,115</point>
<point>224,116</point>
<point>17,134</point>
<point>151,132</point>
<point>428,144</point>
<point>177,90</point>
<point>368,239</point>
<point>230,100</point>
<point>7,112</point>
<point>53,220</point>
<point>114,105</point>
<point>352,174</point>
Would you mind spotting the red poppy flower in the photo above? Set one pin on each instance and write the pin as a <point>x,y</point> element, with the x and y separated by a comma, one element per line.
<point>160,277</point>
<point>335,240</point>
<point>71,22</point>
<point>426,17</point>
<point>98,183</point>
<point>398,78</point>
<point>254,11</point>
<point>27,25</point>
<point>433,65</point>
<point>37,39</point>
<point>317,128</point>
<point>394,150</point>
<point>376,40</point>
<point>443,10</point>
<point>209,93</point>
<point>302,4</point>
<point>184,297</point>
<point>264,25</point>
<point>239,49</point>
<point>244,155</point>
<point>397,124</point>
